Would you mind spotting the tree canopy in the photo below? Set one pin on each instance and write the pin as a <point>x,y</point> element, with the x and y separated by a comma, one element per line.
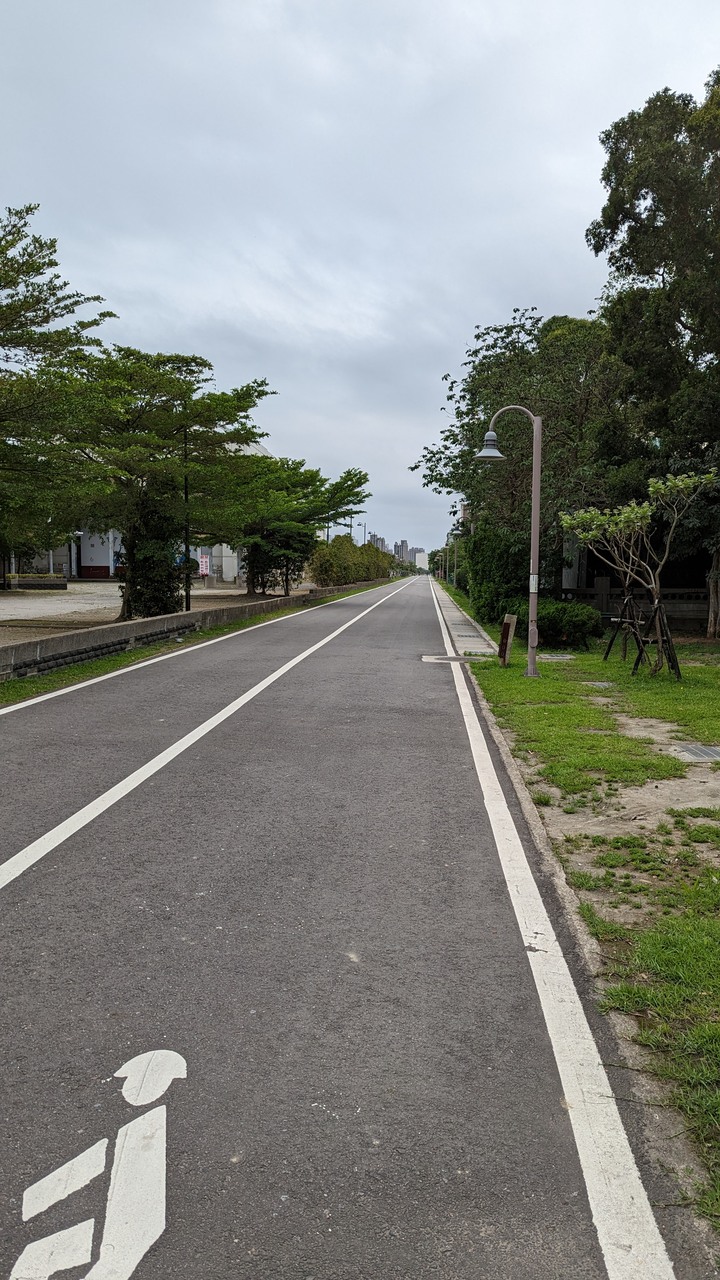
<point>103,437</point>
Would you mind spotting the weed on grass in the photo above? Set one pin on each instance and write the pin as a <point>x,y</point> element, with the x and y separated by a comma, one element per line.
<point>666,971</point>
<point>671,982</point>
<point>575,740</point>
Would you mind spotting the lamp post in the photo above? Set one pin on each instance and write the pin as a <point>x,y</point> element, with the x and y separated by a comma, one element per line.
<point>491,452</point>
<point>186,491</point>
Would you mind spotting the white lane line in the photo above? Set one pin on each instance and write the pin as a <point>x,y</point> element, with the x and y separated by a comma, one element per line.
<point>164,657</point>
<point>632,1246</point>
<point>32,853</point>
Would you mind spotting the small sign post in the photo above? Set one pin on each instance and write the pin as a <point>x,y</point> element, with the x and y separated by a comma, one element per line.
<point>204,566</point>
<point>506,638</point>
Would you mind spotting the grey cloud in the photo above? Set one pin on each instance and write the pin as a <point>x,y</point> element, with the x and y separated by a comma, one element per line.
<point>332,195</point>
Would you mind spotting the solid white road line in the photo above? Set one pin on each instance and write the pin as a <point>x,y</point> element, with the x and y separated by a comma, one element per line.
<point>165,657</point>
<point>32,853</point>
<point>632,1246</point>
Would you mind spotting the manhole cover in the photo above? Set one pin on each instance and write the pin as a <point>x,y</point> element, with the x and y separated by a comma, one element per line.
<point>697,751</point>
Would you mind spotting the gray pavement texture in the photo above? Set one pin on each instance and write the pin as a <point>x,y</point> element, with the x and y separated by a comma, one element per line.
<point>308,906</point>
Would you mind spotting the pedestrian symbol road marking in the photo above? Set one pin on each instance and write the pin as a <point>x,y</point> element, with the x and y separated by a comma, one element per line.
<point>135,1211</point>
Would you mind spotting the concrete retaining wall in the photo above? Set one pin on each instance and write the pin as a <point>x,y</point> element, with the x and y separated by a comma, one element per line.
<point>33,657</point>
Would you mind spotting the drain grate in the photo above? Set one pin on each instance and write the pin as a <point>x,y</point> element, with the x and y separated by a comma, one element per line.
<point>697,751</point>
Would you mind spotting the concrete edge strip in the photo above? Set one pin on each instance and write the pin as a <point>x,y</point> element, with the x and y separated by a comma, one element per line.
<point>476,625</point>
<point>629,1238</point>
<point>179,653</point>
<point>32,853</point>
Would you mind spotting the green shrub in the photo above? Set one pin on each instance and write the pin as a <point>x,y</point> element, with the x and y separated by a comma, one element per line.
<point>462,579</point>
<point>561,624</point>
<point>342,561</point>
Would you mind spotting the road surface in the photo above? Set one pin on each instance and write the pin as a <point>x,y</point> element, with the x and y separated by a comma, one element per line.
<point>276,881</point>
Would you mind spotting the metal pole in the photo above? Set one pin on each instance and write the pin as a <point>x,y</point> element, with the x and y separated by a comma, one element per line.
<point>534,529</point>
<point>534,548</point>
<point>187,521</point>
<point>455,566</point>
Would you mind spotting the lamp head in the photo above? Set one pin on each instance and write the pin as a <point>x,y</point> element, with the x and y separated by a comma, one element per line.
<point>490,451</point>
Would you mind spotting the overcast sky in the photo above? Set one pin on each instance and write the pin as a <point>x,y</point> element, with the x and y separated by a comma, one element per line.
<point>332,194</point>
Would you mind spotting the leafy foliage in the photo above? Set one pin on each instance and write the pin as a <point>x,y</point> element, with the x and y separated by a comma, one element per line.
<point>660,227</point>
<point>562,624</point>
<point>341,561</point>
<point>562,369</point>
<point>623,537</point>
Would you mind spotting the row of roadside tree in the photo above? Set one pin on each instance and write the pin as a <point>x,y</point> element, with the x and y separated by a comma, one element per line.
<point>101,436</point>
<point>629,394</point>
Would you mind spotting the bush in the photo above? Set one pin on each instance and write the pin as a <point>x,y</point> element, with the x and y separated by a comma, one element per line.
<point>462,579</point>
<point>561,624</point>
<point>342,561</point>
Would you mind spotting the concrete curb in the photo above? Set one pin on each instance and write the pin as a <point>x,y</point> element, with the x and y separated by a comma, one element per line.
<point>35,657</point>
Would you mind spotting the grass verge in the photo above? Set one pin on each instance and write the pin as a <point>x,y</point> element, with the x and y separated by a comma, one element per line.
<point>19,690</point>
<point>651,897</point>
<point>558,721</point>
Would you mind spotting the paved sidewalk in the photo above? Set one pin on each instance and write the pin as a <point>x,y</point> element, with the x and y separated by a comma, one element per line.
<point>467,636</point>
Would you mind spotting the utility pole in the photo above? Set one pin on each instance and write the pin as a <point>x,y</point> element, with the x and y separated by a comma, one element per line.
<point>187,518</point>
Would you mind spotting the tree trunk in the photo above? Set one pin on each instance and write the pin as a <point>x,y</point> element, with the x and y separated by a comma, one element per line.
<point>659,652</point>
<point>713,581</point>
<point>250,584</point>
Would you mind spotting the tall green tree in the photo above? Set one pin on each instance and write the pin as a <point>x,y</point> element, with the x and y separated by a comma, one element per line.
<point>561,369</point>
<point>276,507</point>
<point>42,484</point>
<point>660,228</point>
<point>144,422</point>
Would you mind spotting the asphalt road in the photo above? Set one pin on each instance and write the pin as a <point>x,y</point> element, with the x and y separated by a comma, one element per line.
<point>306,906</point>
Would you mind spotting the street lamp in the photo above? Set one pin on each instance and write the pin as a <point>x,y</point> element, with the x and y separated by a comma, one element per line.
<point>186,528</point>
<point>490,452</point>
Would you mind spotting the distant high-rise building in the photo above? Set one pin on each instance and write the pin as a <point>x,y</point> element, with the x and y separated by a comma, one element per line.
<point>414,552</point>
<point>377,541</point>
